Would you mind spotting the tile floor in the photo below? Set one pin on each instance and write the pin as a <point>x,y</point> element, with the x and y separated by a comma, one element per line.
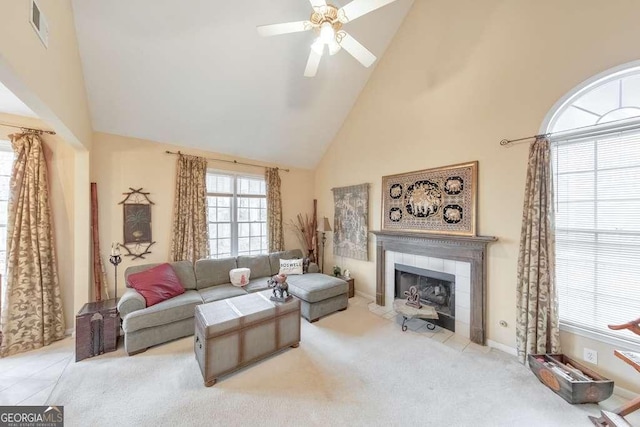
<point>29,378</point>
<point>419,326</point>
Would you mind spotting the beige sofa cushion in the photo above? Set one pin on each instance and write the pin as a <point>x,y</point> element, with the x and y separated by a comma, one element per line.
<point>165,312</point>
<point>259,284</point>
<point>215,293</point>
<point>212,272</point>
<point>258,264</point>
<point>314,287</point>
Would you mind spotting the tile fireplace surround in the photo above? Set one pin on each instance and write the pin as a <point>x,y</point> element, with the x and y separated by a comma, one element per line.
<point>463,256</point>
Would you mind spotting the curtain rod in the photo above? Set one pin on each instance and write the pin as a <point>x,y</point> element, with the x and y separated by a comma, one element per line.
<point>235,162</point>
<point>506,142</point>
<point>25,128</point>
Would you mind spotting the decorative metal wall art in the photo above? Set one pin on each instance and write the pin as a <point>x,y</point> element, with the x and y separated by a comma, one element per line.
<point>136,220</point>
<point>440,200</point>
<point>351,221</point>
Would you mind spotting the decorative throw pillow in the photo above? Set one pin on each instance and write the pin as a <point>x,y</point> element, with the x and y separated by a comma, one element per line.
<point>290,266</point>
<point>305,265</point>
<point>156,284</point>
<point>240,276</point>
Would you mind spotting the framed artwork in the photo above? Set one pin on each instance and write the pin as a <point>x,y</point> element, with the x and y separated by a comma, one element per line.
<point>137,223</point>
<point>350,221</point>
<point>440,200</point>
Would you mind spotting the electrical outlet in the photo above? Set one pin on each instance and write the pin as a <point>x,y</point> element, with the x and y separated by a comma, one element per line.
<point>590,356</point>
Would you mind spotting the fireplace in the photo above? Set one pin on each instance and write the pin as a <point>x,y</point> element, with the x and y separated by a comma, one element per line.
<point>463,257</point>
<point>435,288</point>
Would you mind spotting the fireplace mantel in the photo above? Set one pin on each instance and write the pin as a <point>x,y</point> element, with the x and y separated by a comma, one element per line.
<point>471,249</point>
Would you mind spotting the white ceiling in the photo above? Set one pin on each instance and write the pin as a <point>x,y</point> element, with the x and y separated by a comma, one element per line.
<point>196,73</point>
<point>11,104</point>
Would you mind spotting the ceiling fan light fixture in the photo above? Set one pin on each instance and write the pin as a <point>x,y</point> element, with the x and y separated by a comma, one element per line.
<point>327,33</point>
<point>327,21</point>
<point>318,46</point>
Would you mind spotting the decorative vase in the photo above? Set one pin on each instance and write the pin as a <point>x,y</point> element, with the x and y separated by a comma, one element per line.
<point>311,255</point>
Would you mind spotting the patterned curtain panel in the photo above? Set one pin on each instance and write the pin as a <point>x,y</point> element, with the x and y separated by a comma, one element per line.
<point>190,235</point>
<point>275,235</point>
<point>351,222</point>
<point>537,328</point>
<point>31,314</point>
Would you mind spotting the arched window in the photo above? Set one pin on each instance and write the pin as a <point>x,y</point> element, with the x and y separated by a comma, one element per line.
<point>595,135</point>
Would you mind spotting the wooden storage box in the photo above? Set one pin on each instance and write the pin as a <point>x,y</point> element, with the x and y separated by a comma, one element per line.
<point>238,331</point>
<point>97,328</point>
<point>570,385</point>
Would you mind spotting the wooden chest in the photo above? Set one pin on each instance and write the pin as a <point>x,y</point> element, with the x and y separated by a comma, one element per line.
<point>97,329</point>
<point>574,382</point>
<point>238,331</point>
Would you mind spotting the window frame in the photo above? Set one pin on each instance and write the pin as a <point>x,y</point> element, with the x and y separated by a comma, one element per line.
<point>234,222</point>
<point>600,130</point>
<point>5,146</point>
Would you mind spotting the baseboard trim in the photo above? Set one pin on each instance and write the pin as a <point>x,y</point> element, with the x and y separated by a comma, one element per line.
<point>504,348</point>
<point>624,393</point>
<point>367,296</point>
<point>70,332</point>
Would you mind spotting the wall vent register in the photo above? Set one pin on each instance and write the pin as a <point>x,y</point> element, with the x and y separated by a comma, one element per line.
<point>39,23</point>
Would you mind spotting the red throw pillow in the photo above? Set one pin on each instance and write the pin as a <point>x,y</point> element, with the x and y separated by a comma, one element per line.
<point>156,284</point>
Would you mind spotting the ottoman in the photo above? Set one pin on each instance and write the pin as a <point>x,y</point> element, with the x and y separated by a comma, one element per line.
<point>236,332</point>
<point>320,294</point>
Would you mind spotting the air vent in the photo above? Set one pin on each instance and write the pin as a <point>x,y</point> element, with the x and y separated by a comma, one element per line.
<point>39,23</point>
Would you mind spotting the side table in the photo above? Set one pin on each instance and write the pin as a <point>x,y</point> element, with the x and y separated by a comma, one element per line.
<point>97,328</point>
<point>351,282</point>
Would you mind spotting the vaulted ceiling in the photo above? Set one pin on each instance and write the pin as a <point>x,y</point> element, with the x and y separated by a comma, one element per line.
<point>196,73</point>
<point>11,104</point>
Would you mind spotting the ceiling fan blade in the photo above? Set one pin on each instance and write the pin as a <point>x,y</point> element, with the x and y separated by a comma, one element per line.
<point>318,3</point>
<point>286,28</point>
<point>357,8</point>
<point>312,63</point>
<point>356,50</point>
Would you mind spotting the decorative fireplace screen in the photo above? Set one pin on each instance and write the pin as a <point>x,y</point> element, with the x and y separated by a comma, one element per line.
<point>435,289</point>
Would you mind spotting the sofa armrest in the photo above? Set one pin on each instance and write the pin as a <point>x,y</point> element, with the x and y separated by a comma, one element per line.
<point>129,302</point>
<point>313,268</point>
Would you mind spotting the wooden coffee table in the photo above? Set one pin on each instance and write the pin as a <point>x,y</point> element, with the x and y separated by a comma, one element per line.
<point>408,313</point>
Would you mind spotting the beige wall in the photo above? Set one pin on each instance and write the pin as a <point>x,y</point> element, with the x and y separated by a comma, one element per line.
<point>51,83</point>
<point>60,165</point>
<point>118,163</point>
<point>459,77</point>
<point>49,80</point>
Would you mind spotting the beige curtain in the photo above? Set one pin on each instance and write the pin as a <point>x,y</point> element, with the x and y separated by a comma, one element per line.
<point>274,210</point>
<point>537,306</point>
<point>31,314</point>
<point>190,239</point>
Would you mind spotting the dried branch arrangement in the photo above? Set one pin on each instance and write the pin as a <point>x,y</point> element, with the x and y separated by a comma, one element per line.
<point>305,229</point>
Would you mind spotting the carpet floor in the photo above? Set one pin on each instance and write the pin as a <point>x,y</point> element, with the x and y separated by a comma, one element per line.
<point>352,368</point>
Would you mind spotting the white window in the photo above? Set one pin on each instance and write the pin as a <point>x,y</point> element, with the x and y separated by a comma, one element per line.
<point>597,195</point>
<point>6,163</point>
<point>237,214</point>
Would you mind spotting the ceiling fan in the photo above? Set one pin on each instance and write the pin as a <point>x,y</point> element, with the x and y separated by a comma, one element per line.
<point>327,21</point>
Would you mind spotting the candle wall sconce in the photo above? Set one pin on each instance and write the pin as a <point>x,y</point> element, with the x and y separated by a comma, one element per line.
<point>136,221</point>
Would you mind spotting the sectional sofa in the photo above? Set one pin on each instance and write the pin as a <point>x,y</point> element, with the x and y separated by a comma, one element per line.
<point>207,281</point>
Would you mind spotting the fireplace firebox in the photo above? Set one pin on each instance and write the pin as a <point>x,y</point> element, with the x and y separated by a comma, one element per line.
<point>435,288</point>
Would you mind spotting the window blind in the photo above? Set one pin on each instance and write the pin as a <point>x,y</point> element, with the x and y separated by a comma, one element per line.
<point>597,202</point>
